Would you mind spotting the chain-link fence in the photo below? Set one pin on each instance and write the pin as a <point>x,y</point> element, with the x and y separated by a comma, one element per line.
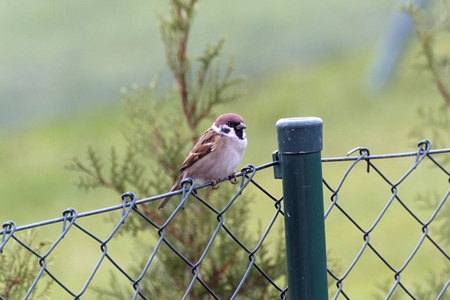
<point>342,216</point>
<point>130,209</point>
<point>419,210</point>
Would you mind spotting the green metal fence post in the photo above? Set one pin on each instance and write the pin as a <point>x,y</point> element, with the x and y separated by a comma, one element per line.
<point>299,154</point>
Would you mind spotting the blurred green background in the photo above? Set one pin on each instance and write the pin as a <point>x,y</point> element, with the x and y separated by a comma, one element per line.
<point>63,64</point>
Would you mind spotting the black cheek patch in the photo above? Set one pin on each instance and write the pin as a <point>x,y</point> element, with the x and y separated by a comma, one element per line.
<point>226,130</point>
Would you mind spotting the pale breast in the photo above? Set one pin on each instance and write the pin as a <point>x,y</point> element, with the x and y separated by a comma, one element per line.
<point>221,162</point>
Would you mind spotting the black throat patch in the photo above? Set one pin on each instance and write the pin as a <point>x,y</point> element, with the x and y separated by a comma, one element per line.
<point>240,134</point>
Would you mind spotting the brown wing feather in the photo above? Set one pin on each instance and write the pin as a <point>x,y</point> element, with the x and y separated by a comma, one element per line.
<point>204,146</point>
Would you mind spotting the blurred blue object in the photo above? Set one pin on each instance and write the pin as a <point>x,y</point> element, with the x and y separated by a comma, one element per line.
<point>391,46</point>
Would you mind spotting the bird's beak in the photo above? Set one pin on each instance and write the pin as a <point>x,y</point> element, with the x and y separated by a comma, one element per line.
<point>241,126</point>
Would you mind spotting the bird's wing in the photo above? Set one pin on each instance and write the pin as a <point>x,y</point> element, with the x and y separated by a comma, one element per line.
<point>205,145</point>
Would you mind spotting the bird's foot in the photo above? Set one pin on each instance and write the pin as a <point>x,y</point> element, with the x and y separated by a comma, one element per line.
<point>232,178</point>
<point>214,185</point>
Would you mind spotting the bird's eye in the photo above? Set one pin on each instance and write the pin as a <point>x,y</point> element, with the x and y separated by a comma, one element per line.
<point>230,124</point>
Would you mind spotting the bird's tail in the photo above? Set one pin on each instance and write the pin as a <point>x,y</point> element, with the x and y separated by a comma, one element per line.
<point>175,187</point>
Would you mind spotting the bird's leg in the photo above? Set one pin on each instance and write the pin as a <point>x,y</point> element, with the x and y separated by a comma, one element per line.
<point>232,178</point>
<point>214,184</point>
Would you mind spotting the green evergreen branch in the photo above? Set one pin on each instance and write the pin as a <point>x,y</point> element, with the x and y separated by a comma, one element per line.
<point>93,174</point>
<point>156,146</point>
<point>23,266</point>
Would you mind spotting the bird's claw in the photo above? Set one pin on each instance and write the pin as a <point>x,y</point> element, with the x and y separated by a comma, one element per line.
<point>214,185</point>
<point>232,178</point>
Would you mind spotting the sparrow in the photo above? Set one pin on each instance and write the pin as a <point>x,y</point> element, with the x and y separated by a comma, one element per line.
<point>216,155</point>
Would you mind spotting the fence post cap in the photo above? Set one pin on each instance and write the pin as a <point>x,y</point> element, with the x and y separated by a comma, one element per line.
<point>299,135</point>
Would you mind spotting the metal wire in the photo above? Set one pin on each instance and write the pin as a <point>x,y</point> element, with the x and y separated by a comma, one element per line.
<point>423,152</point>
<point>70,220</point>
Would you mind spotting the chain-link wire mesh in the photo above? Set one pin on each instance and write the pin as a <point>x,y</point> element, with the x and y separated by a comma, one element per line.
<point>129,208</point>
<point>407,210</point>
<point>336,212</point>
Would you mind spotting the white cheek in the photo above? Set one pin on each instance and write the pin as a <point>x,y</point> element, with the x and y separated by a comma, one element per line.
<point>215,128</point>
<point>227,130</point>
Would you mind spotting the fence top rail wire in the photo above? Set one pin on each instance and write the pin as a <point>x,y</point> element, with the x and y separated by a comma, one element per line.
<point>261,167</point>
<point>129,203</point>
<point>380,156</point>
<point>115,207</point>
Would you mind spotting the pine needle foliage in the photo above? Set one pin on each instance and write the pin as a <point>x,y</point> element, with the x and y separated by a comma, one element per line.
<point>201,91</point>
<point>22,268</point>
<point>159,130</point>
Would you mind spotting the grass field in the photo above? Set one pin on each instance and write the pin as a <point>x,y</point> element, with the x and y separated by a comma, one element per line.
<point>35,186</point>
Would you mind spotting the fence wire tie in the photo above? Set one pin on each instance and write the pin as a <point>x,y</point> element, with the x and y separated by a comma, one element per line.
<point>8,230</point>
<point>125,203</point>
<point>245,170</point>
<point>185,190</point>
<point>363,152</point>
<point>424,147</point>
<point>68,214</point>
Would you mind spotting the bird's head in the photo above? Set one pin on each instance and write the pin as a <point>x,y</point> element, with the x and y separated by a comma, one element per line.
<point>230,125</point>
